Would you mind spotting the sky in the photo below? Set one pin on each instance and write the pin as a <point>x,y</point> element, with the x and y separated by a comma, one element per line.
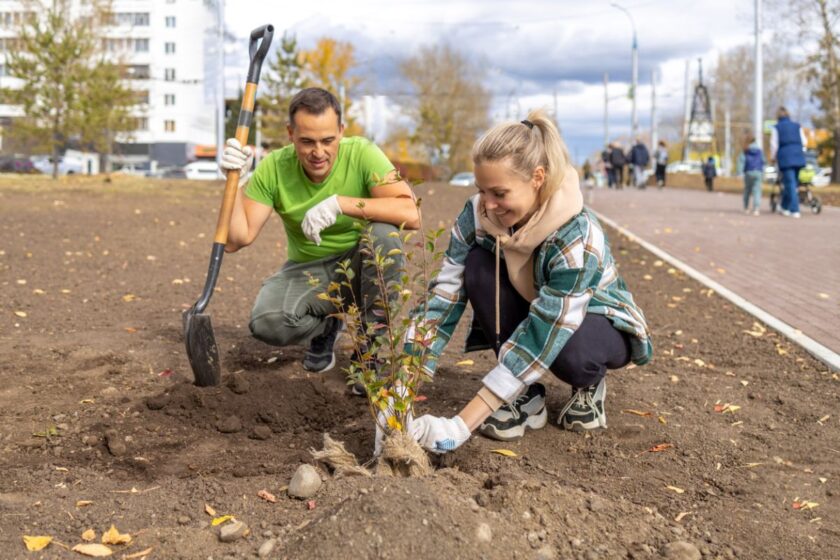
<point>533,50</point>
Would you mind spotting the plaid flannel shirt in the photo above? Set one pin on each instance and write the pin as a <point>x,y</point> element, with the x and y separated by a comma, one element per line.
<point>574,274</point>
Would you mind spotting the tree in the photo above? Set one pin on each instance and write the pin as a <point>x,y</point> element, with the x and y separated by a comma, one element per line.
<point>451,105</point>
<point>330,65</point>
<point>732,86</point>
<point>283,78</point>
<point>68,92</point>
<point>816,23</point>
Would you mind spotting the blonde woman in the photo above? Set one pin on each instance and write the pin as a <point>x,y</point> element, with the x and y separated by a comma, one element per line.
<point>537,269</point>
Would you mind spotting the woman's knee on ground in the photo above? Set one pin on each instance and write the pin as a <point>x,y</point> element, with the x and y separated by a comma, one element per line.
<point>577,367</point>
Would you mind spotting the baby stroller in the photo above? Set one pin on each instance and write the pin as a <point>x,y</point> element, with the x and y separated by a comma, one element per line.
<point>806,196</point>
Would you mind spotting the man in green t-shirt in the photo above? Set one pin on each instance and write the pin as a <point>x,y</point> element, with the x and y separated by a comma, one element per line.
<point>316,185</point>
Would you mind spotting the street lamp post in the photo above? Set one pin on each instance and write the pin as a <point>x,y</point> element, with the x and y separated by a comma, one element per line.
<point>634,123</point>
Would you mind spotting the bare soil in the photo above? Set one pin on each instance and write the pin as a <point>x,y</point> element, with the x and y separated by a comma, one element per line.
<point>98,406</point>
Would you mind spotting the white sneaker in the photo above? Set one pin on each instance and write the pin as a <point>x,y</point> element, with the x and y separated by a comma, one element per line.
<point>756,213</point>
<point>784,212</point>
<point>796,215</point>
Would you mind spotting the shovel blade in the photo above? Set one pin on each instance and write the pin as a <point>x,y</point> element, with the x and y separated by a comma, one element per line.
<point>202,350</point>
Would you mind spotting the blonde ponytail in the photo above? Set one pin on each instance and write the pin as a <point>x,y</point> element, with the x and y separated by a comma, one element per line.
<point>527,145</point>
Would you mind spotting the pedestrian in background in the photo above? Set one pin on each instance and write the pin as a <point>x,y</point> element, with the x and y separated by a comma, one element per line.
<point>660,156</point>
<point>787,146</point>
<point>751,164</point>
<point>639,159</point>
<point>709,173</point>
<point>608,168</point>
<point>618,161</point>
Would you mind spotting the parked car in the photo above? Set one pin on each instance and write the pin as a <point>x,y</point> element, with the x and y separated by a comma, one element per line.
<point>692,167</point>
<point>66,165</point>
<point>16,164</point>
<point>822,178</point>
<point>203,170</point>
<point>463,179</point>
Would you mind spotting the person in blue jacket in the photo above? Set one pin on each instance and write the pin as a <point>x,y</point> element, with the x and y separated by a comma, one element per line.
<point>787,146</point>
<point>751,164</point>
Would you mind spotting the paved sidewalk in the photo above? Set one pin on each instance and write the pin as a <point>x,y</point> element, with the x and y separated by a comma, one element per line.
<point>789,268</point>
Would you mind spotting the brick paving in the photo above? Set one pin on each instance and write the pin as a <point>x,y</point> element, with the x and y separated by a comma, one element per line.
<point>789,268</point>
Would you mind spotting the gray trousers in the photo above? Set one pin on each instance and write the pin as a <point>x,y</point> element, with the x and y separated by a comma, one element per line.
<point>288,311</point>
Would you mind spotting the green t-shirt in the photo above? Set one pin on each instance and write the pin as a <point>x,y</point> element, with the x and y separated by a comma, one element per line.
<point>280,182</point>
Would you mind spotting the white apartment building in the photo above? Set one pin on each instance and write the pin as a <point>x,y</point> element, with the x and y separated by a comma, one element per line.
<point>169,48</point>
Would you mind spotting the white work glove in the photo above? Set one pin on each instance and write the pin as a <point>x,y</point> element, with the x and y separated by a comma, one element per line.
<point>439,435</point>
<point>382,420</point>
<point>320,217</point>
<point>235,157</point>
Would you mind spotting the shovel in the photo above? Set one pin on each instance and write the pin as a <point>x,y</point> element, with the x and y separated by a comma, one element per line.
<point>202,350</point>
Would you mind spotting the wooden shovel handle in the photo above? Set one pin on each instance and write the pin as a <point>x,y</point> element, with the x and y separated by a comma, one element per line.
<point>243,128</point>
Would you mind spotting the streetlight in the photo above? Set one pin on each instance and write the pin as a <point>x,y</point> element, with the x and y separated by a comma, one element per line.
<point>634,123</point>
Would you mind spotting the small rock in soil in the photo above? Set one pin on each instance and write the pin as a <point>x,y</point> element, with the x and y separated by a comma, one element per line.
<point>266,548</point>
<point>305,482</point>
<point>230,425</point>
<point>261,432</point>
<point>680,550</point>
<point>115,444</point>
<point>484,533</point>
<point>184,520</point>
<point>233,531</point>
<point>238,384</point>
<point>157,402</point>
<point>109,392</point>
<point>545,553</point>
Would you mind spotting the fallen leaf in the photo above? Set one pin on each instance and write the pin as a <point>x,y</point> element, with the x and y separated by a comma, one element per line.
<point>310,505</point>
<point>727,408</point>
<point>505,452</point>
<point>822,295</point>
<point>757,330</point>
<point>86,401</point>
<point>804,504</point>
<point>20,313</point>
<point>83,503</point>
<point>34,544</point>
<point>647,277</point>
<point>744,383</point>
<point>465,363</point>
<point>129,297</point>
<point>219,520</point>
<point>660,447</point>
<point>637,412</point>
<point>675,379</point>
<point>166,373</point>
<point>38,292</point>
<point>130,330</point>
<point>676,489</point>
<point>89,535</point>
<point>267,496</point>
<point>662,420</point>
<point>140,554</point>
<point>823,419</point>
<point>209,510</point>
<point>699,363</point>
<point>93,549</point>
<point>113,536</point>
<point>823,480</point>
<point>680,515</point>
<point>420,398</point>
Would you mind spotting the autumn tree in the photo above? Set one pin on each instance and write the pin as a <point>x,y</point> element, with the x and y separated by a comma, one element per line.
<point>331,65</point>
<point>731,86</point>
<point>282,78</point>
<point>68,90</point>
<point>450,106</point>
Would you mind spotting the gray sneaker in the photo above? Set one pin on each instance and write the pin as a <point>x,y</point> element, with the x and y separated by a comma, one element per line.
<point>585,410</point>
<point>321,354</point>
<point>509,422</point>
